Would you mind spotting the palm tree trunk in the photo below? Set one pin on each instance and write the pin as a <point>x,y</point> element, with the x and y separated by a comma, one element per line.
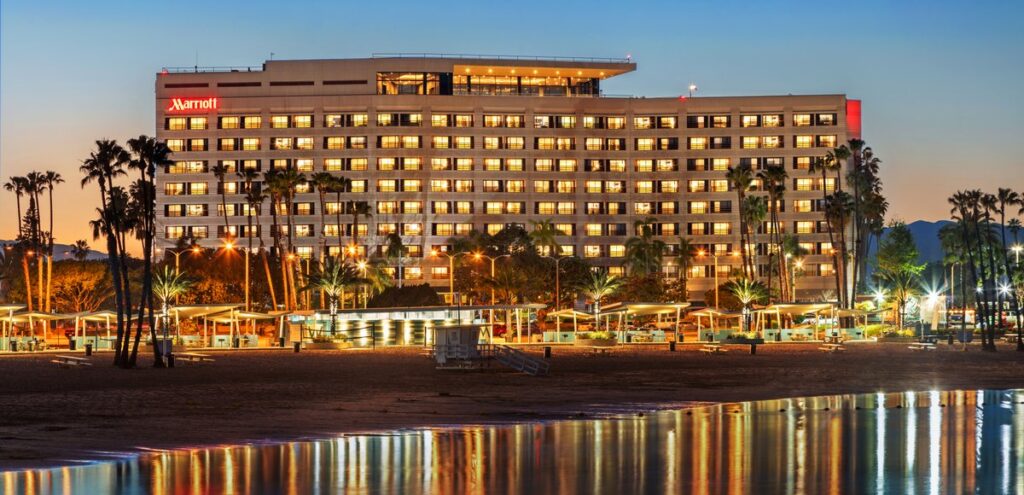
<point>28,280</point>
<point>270,279</point>
<point>341,244</point>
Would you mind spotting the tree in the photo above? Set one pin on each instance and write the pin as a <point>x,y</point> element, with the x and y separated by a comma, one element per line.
<point>755,210</point>
<point>897,266</point>
<point>740,179</point>
<point>600,285</point>
<point>332,277</point>
<point>395,252</point>
<point>747,292</point>
<point>1006,198</point>
<point>50,179</point>
<point>221,171</point>
<point>545,236</point>
<point>167,286</point>
<point>323,183</point>
<point>80,286</point>
<point>686,253</point>
<point>644,253</point>
<point>773,180</point>
<point>80,250</point>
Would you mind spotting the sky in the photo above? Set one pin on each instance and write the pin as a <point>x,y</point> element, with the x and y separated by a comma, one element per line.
<point>940,80</point>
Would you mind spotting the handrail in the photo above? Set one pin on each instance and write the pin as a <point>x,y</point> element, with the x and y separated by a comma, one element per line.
<point>212,68</point>
<point>501,57</point>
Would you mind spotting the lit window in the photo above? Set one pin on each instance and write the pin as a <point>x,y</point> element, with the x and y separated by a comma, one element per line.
<point>304,143</point>
<point>463,142</point>
<point>644,187</point>
<point>804,141</point>
<point>720,164</point>
<point>412,185</point>
<point>463,120</point>
<point>801,119</point>
<point>177,123</point>
<point>722,228</point>
<point>720,185</point>
<point>252,122</point>
<point>302,121</point>
<point>698,207</point>
<point>279,121</point>
<point>543,165</point>
<point>593,229</point>
<point>802,206</point>
<point>176,144</point>
<point>386,185</point>
<point>230,122</point>
<point>749,121</point>
<point>697,143</point>
<point>332,164</point>
<point>360,120</point>
<point>335,143</point>
<point>439,120</point>
<point>616,251</point>
<point>198,123</point>
<point>358,164</point>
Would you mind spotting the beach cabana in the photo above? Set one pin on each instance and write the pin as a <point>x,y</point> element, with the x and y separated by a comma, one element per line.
<point>569,313</point>
<point>713,315</point>
<point>30,318</point>
<point>236,319</point>
<point>791,310</point>
<point>662,312</point>
<point>200,311</point>
<point>7,322</point>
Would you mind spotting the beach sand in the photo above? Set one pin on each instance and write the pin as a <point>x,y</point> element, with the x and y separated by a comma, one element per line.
<point>50,415</point>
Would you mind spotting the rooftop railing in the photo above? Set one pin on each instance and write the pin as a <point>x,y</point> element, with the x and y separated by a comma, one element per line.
<point>504,57</point>
<point>200,68</point>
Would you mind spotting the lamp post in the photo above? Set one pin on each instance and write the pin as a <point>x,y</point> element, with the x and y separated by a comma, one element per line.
<point>558,285</point>
<point>451,269</point>
<point>797,265</point>
<point>714,256</point>
<point>362,269</point>
<point>228,246</point>
<point>1016,248</point>
<point>480,256</point>
<point>195,249</point>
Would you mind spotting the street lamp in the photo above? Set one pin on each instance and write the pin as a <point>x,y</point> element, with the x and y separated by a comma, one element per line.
<point>1016,248</point>
<point>195,249</point>
<point>228,245</point>
<point>451,269</point>
<point>480,256</point>
<point>797,265</point>
<point>558,285</point>
<point>362,268</point>
<point>714,256</point>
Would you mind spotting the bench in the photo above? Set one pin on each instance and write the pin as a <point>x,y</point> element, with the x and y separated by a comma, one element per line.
<point>713,349</point>
<point>600,350</point>
<point>70,361</point>
<point>832,348</point>
<point>1010,338</point>
<point>921,346</point>
<point>192,357</point>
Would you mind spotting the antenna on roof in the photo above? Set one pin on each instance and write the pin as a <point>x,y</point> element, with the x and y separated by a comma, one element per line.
<point>197,60</point>
<point>271,55</point>
<point>693,89</point>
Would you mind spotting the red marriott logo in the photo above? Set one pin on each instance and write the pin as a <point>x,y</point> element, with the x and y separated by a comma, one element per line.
<point>192,104</point>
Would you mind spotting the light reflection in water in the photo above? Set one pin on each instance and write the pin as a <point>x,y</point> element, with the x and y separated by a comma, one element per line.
<point>928,442</point>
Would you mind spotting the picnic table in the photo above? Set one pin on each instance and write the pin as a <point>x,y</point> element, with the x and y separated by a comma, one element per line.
<point>70,361</point>
<point>832,348</point>
<point>600,350</point>
<point>713,349</point>
<point>192,357</point>
<point>833,339</point>
<point>1010,338</point>
<point>921,346</point>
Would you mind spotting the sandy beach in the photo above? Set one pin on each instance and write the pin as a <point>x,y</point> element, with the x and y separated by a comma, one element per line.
<point>50,415</point>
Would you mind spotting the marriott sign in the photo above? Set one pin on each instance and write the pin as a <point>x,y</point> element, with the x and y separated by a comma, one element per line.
<point>192,105</point>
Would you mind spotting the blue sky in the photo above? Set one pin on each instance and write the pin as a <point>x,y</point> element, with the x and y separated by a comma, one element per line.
<point>941,80</point>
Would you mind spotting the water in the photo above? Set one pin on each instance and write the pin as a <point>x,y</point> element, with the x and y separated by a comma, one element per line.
<point>924,442</point>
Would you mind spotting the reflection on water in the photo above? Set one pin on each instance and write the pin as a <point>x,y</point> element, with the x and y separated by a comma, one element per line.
<point>925,442</point>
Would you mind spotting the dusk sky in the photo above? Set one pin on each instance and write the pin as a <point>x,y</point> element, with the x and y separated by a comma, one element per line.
<point>940,80</point>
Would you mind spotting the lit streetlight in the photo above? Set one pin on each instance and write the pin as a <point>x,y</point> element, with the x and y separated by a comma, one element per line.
<point>1016,248</point>
<point>558,285</point>
<point>714,256</point>
<point>451,269</point>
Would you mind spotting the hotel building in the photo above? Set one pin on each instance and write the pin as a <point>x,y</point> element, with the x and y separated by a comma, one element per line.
<point>438,146</point>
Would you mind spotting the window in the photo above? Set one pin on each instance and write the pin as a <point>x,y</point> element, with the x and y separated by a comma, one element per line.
<point>698,207</point>
<point>719,185</point>
<point>441,120</point>
<point>645,144</point>
<point>801,119</point>
<point>566,165</point>
<point>252,122</point>
<point>669,186</point>
<point>803,141</point>
<point>565,186</point>
<point>593,229</point>
<point>410,142</point>
<point>302,121</point>
<point>279,121</point>
<point>440,142</point>
<point>198,123</point>
<point>463,186</point>
<point>720,121</point>
<point>721,228</point>
<point>304,143</point>
<point>592,186</point>
<point>697,143</point>
<point>463,208</point>
<point>804,227</point>
<point>386,185</point>
<point>771,142</point>
<point>802,206</point>
<point>332,164</point>
<point>464,164</point>
<point>387,142</point>
<point>463,142</point>
<point>802,163</point>
<point>494,121</point>
<point>464,120</point>
<point>545,143</point>
<point>750,142</point>
<point>281,143</point>
<point>176,123</point>
<point>827,141</point>
<point>825,119</point>
<point>543,165</point>
<point>750,120</point>
<point>515,186</point>
<point>229,122</point>
<point>803,184</point>
<point>357,142</point>
<point>720,164</point>
<point>176,144</point>
<point>642,123</point>
<point>616,251</point>
<point>773,120</point>
<point>412,185</point>
<point>334,143</point>
<point>644,187</point>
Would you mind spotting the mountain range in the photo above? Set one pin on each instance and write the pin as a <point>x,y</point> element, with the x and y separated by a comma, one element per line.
<point>63,252</point>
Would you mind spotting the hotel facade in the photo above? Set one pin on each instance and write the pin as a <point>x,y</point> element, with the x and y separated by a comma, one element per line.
<point>439,146</point>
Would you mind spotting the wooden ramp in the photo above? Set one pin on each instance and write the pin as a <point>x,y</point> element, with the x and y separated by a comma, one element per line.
<point>520,361</point>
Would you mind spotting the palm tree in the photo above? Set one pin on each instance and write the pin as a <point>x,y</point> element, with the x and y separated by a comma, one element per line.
<point>838,209</point>
<point>332,277</point>
<point>339,185</point>
<point>1014,225</point>
<point>103,166</point>
<point>49,180</point>
<point>544,236</point>
<point>747,291</point>
<point>740,179</point>
<point>357,209</point>
<point>644,253</point>
<point>755,210</point>
<point>80,250</point>
<point>17,186</point>
<point>1005,198</point>
<point>395,252</point>
<point>600,285</point>
<point>324,183</point>
<point>687,252</point>
<point>790,249</point>
<point>221,171</point>
<point>773,179</point>
<point>167,286</point>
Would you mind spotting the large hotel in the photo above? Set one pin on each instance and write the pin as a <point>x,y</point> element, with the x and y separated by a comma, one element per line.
<point>439,146</point>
